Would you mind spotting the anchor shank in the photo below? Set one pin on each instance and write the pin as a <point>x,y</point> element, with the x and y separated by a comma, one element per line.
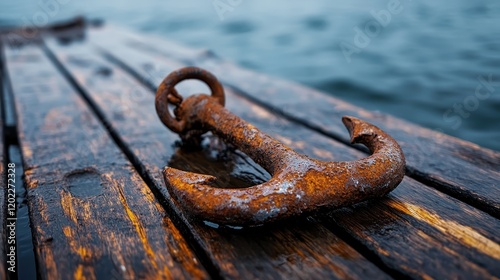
<point>206,112</point>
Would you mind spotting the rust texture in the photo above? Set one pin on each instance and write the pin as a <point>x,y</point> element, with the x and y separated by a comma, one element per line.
<point>299,184</point>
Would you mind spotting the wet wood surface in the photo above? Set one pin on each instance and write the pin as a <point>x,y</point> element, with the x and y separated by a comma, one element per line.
<point>403,230</point>
<point>459,168</point>
<point>101,207</point>
<point>298,250</point>
<point>92,214</point>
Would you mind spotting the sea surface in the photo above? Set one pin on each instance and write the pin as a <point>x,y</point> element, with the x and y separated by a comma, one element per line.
<point>435,63</point>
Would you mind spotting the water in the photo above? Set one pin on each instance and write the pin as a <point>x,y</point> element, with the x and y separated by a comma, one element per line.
<point>424,65</point>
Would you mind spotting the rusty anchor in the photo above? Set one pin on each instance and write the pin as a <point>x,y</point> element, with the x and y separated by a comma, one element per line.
<point>298,185</point>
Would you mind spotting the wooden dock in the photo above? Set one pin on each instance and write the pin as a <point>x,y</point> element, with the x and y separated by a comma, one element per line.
<point>78,100</point>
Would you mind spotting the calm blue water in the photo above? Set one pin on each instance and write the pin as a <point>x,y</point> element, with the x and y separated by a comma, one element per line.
<point>435,63</point>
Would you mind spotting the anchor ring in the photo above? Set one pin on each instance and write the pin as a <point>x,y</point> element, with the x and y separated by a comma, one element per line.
<point>167,94</point>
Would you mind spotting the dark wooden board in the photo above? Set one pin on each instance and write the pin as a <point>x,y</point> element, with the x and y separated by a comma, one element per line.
<point>418,217</point>
<point>298,250</point>
<point>460,168</point>
<point>91,213</point>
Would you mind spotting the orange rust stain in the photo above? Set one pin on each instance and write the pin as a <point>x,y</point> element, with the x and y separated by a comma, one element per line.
<point>84,253</point>
<point>86,212</point>
<point>78,272</point>
<point>309,256</point>
<point>417,272</point>
<point>144,189</point>
<point>84,273</point>
<point>434,243</point>
<point>426,277</point>
<point>42,211</point>
<point>67,205</point>
<point>121,262</point>
<point>32,184</point>
<point>50,264</point>
<point>31,180</point>
<point>158,206</point>
<point>136,222</point>
<point>27,152</point>
<point>377,245</point>
<point>465,234</point>
<point>68,232</point>
<point>184,254</point>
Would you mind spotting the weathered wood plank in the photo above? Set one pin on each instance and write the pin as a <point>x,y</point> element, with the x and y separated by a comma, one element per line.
<point>92,214</point>
<point>457,167</point>
<point>298,250</point>
<point>431,230</point>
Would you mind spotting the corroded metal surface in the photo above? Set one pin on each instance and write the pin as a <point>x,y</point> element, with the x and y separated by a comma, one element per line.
<point>298,185</point>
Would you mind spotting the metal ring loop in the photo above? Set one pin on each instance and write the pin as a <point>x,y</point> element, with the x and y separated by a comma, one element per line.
<point>166,93</point>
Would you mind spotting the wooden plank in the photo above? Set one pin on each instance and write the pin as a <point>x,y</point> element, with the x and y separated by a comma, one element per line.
<point>298,250</point>
<point>92,214</point>
<point>432,230</point>
<point>457,167</point>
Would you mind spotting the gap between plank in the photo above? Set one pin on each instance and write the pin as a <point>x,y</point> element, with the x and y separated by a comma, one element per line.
<point>9,115</point>
<point>178,219</point>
